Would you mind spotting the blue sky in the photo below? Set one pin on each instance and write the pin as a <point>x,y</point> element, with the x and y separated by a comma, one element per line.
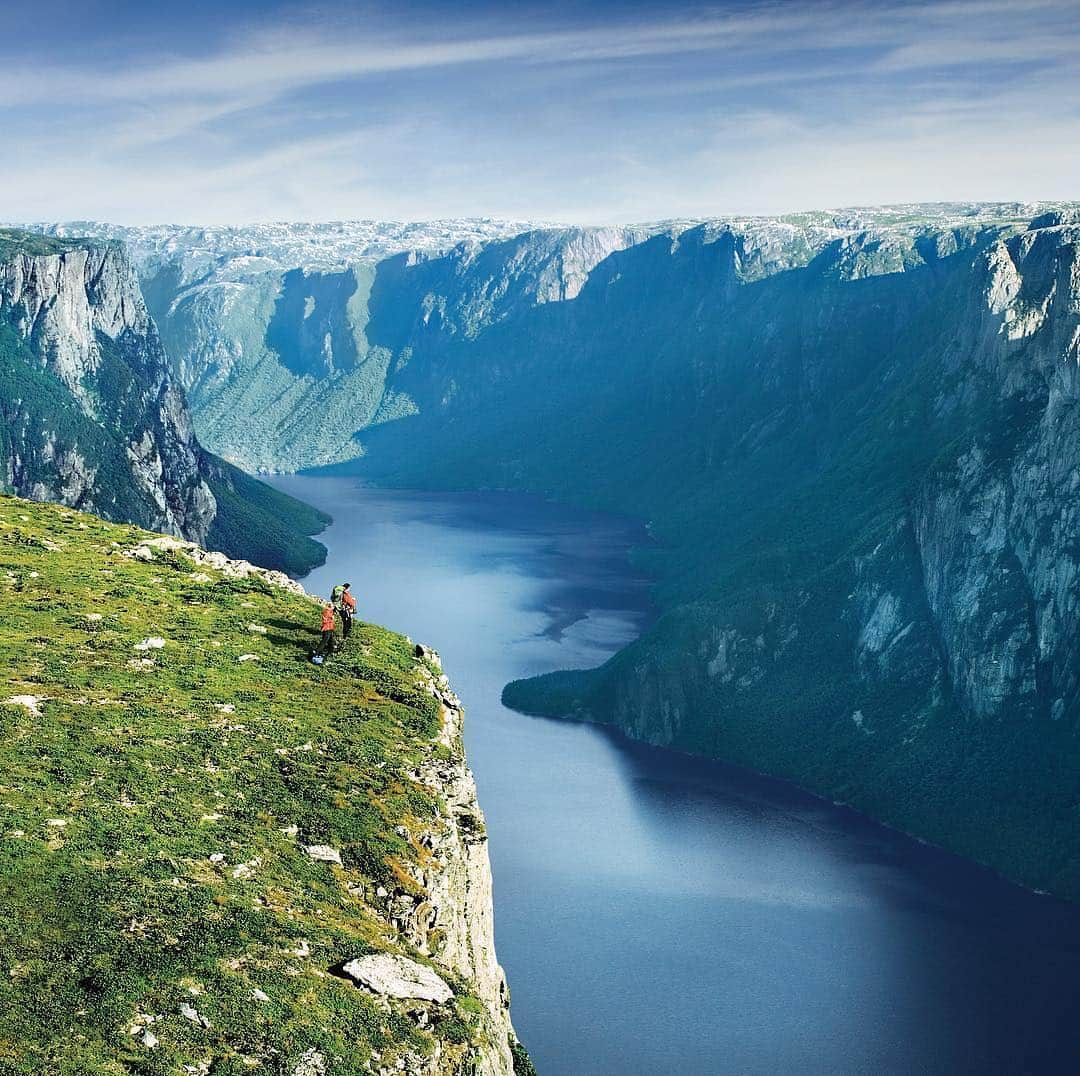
<point>589,112</point>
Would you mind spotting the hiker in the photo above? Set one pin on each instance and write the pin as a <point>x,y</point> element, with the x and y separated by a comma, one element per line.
<point>344,605</point>
<point>326,647</point>
<point>348,609</point>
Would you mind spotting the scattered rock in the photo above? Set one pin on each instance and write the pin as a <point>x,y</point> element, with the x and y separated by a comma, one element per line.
<point>259,995</point>
<point>398,977</point>
<point>233,569</point>
<point>149,1040</point>
<point>258,629</point>
<point>189,1012</point>
<point>225,707</point>
<point>323,853</point>
<point>425,653</point>
<point>311,1063</point>
<point>248,657</point>
<point>30,702</point>
<point>153,642</point>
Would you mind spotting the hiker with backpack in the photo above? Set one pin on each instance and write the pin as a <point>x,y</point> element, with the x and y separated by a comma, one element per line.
<point>344,605</point>
<point>348,610</point>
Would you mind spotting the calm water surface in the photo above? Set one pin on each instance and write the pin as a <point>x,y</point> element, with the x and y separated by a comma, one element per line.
<point>658,914</point>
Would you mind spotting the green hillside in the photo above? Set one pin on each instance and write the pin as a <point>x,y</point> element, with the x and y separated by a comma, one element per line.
<point>167,756</point>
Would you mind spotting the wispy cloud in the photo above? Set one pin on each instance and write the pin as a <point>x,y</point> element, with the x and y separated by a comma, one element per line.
<point>761,106</point>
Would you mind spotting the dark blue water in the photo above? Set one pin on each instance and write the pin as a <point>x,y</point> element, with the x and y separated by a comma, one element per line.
<point>658,914</point>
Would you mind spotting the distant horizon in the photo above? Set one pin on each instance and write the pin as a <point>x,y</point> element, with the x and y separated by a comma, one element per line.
<point>1019,204</point>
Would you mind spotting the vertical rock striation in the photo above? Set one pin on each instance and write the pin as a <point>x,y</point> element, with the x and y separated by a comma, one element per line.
<point>94,418</point>
<point>76,318</point>
<point>454,922</point>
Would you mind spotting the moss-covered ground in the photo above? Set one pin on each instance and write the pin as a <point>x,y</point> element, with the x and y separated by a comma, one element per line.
<point>158,911</point>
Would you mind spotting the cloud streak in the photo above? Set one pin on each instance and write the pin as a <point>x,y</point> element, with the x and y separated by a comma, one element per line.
<point>602,116</point>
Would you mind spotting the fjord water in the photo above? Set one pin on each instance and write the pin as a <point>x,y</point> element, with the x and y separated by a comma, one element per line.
<point>659,914</point>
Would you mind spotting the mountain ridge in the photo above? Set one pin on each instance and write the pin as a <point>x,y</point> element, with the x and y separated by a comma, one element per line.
<point>271,403</point>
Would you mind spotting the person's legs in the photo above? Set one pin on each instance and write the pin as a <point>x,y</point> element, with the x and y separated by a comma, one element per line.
<point>327,646</point>
<point>346,624</point>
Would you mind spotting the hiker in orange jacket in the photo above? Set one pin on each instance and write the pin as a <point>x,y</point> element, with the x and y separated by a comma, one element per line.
<point>327,628</point>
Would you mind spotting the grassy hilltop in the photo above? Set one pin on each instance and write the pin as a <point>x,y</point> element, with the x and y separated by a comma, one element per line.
<point>159,791</point>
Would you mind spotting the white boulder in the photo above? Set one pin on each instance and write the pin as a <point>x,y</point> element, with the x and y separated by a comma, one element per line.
<point>323,853</point>
<point>398,977</point>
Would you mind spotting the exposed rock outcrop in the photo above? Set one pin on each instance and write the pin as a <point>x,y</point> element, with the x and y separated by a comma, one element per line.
<point>451,918</point>
<point>81,320</point>
<point>93,417</point>
<point>398,977</point>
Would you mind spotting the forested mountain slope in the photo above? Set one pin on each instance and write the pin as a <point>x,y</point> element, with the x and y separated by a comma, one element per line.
<point>861,474</point>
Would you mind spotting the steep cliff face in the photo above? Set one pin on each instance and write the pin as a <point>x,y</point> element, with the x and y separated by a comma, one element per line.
<point>76,315</point>
<point>286,339</point>
<point>453,922</point>
<point>94,418</point>
<point>997,525</point>
<point>229,858</point>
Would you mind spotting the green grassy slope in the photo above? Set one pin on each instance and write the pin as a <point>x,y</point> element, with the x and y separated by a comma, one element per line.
<point>154,805</point>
